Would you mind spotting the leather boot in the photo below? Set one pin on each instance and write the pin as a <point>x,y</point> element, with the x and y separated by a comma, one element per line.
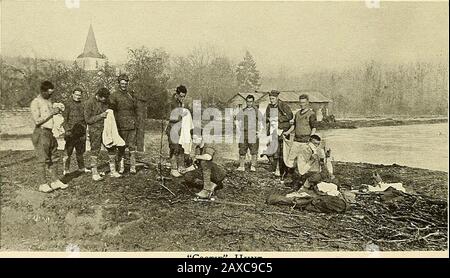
<point>253,165</point>
<point>241,163</point>
<point>132,162</point>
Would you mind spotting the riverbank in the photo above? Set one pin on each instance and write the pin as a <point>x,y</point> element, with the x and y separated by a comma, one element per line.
<point>136,213</point>
<point>373,122</point>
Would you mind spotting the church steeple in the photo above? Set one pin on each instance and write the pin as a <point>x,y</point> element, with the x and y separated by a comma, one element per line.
<point>90,47</point>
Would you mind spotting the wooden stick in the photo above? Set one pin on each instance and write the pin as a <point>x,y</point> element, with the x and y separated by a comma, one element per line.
<point>225,202</point>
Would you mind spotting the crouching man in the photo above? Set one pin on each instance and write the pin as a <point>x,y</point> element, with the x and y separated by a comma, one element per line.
<point>313,162</point>
<point>204,169</point>
<point>95,114</point>
<point>45,144</point>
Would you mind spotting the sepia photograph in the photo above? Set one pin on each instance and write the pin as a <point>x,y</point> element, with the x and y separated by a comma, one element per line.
<point>228,128</point>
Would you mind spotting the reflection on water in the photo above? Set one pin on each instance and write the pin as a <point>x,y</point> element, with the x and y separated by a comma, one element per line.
<point>422,146</point>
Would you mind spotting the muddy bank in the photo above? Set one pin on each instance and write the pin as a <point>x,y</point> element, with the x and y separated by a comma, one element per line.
<point>136,214</point>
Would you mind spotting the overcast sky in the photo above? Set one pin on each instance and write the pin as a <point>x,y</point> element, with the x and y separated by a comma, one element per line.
<point>303,36</point>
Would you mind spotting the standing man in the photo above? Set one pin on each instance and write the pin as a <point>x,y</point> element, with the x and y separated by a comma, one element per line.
<point>75,130</point>
<point>249,121</point>
<point>282,121</point>
<point>125,112</point>
<point>305,123</point>
<point>95,114</point>
<point>45,144</point>
<point>176,151</point>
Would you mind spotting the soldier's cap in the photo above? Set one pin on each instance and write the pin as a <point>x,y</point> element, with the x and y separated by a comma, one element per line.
<point>123,76</point>
<point>315,137</point>
<point>274,93</point>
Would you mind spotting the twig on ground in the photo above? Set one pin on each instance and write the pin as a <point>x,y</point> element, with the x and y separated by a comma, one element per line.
<point>284,231</point>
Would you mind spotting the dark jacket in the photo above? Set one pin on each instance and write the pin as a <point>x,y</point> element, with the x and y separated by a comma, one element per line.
<point>174,104</point>
<point>124,106</point>
<point>92,110</point>
<point>74,118</point>
<point>284,115</point>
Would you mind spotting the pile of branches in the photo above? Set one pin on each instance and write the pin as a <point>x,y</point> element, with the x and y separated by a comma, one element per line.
<point>401,221</point>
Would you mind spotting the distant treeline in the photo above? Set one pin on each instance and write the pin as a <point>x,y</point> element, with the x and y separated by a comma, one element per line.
<point>376,89</point>
<point>369,90</point>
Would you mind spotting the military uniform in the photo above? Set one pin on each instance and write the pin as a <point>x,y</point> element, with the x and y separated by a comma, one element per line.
<point>92,110</point>
<point>284,117</point>
<point>124,106</point>
<point>175,149</point>
<point>75,128</point>
<point>248,139</point>
<point>207,170</point>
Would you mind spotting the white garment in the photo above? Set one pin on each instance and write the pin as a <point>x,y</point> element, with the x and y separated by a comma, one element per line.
<point>328,188</point>
<point>110,135</point>
<point>382,186</point>
<point>58,120</point>
<point>297,194</point>
<point>185,135</point>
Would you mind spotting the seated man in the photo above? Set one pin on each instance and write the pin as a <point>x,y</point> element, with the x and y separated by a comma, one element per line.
<point>313,162</point>
<point>204,169</point>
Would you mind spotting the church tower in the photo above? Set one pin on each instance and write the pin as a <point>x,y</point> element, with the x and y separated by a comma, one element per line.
<point>91,59</point>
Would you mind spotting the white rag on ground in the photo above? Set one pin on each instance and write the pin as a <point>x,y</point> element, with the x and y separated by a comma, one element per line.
<point>297,194</point>
<point>110,135</point>
<point>328,188</point>
<point>185,135</point>
<point>382,186</point>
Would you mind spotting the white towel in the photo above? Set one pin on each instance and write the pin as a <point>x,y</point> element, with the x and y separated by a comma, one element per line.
<point>110,135</point>
<point>58,120</point>
<point>185,136</point>
<point>328,188</point>
<point>382,186</point>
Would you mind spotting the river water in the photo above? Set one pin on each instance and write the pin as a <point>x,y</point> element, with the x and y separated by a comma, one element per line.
<point>423,146</point>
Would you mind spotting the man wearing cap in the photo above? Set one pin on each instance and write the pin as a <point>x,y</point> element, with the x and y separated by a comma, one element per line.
<point>249,122</point>
<point>95,112</point>
<point>279,114</point>
<point>305,122</point>
<point>44,142</point>
<point>125,111</point>
<point>176,151</point>
<point>75,130</point>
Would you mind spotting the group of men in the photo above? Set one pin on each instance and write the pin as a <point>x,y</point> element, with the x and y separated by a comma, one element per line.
<point>296,132</point>
<point>293,139</point>
<point>89,117</point>
<point>83,118</point>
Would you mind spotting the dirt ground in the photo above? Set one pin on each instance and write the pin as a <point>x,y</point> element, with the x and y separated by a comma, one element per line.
<point>135,213</point>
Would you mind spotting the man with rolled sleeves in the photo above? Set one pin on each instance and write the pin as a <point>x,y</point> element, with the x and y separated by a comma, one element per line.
<point>249,122</point>
<point>282,121</point>
<point>95,114</point>
<point>75,130</point>
<point>125,111</point>
<point>44,142</point>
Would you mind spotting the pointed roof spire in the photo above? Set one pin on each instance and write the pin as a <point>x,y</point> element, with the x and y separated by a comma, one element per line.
<point>90,47</point>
